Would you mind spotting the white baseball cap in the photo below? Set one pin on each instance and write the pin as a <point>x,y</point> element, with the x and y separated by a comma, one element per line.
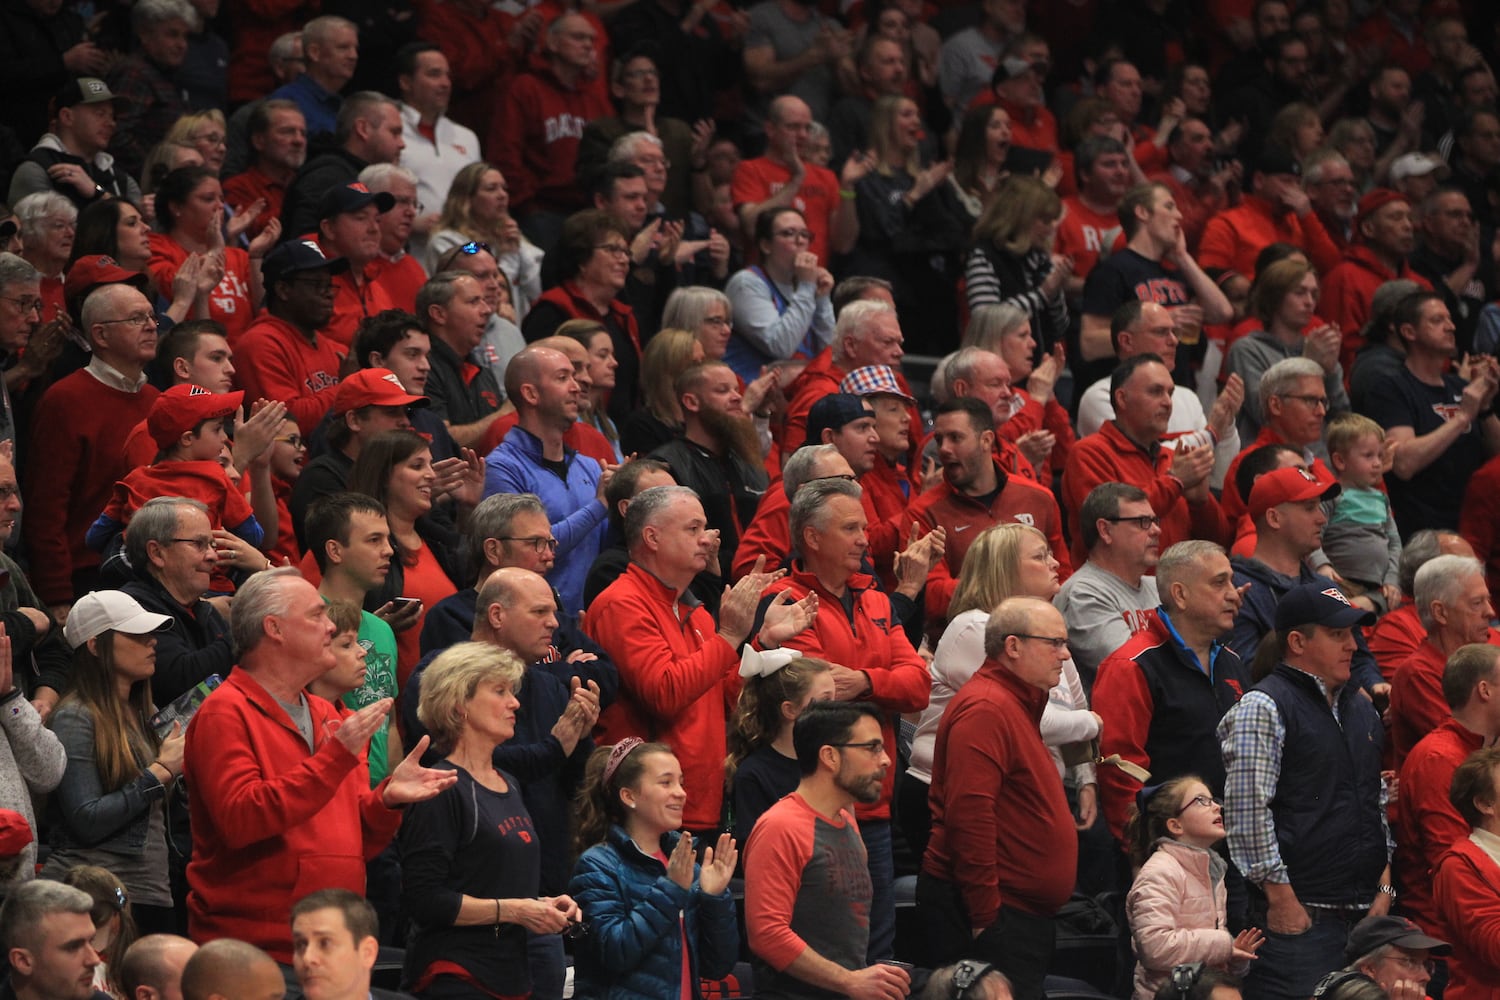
<point>102,611</point>
<point>1417,165</point>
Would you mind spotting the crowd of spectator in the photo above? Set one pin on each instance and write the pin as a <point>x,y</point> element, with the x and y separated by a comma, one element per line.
<point>481,514</point>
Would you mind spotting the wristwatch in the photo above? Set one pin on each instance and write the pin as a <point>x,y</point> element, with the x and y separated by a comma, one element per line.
<point>1386,889</point>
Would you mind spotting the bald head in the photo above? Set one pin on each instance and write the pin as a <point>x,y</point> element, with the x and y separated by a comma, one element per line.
<point>505,586</point>
<point>152,967</point>
<point>518,610</point>
<point>528,366</point>
<point>232,970</point>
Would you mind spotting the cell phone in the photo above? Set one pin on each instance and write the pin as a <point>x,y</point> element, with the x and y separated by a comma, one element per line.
<point>402,603</point>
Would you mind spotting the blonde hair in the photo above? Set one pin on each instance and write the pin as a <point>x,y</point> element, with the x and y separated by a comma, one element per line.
<point>456,215</point>
<point>991,571</point>
<point>181,132</point>
<point>1018,202</point>
<point>1346,429</point>
<point>450,681</point>
<point>883,135</point>
<point>667,355</point>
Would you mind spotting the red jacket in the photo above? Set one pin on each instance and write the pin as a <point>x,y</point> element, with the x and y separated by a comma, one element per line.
<point>1236,236</point>
<point>245,188</point>
<point>1467,887</point>
<point>1349,291</point>
<point>534,139</point>
<point>871,641</point>
<point>964,517</point>
<point>1417,703</point>
<point>1426,824</point>
<point>401,279</point>
<point>354,301</point>
<point>1034,416</point>
<point>1002,831</point>
<point>271,821</point>
<point>768,534</point>
<point>887,492</point>
<point>276,361</point>
<point>678,679</point>
<point>76,457</point>
<point>1479,520</point>
<point>1109,456</point>
<point>1395,637</point>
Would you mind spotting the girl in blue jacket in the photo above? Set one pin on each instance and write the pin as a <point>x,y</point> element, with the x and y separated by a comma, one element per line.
<point>657,921</point>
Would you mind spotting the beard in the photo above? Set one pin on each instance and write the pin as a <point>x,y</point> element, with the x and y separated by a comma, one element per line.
<point>735,434</point>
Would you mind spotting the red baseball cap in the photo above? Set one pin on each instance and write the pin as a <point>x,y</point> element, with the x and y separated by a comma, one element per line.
<point>88,273</point>
<point>183,407</point>
<point>15,833</point>
<point>373,387</point>
<point>1289,485</point>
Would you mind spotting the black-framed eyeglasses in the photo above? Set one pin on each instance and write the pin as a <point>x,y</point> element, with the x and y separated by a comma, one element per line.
<point>870,746</point>
<point>295,440</point>
<point>967,974</point>
<point>1053,641</point>
<point>537,542</point>
<point>794,234</point>
<point>201,544</point>
<point>847,477</point>
<point>1143,521</point>
<point>1198,800</point>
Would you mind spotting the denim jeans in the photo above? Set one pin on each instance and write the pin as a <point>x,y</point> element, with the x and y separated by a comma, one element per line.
<point>1290,965</point>
<point>877,838</point>
<point>548,965</point>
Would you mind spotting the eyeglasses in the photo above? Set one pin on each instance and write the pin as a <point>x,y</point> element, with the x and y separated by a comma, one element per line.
<point>202,544</point>
<point>474,246</point>
<point>1198,800</point>
<point>295,440</point>
<point>850,478</point>
<point>1316,402</point>
<point>872,747</point>
<point>1414,964</point>
<point>716,321</point>
<point>8,493</point>
<point>537,542</point>
<point>1143,521</point>
<point>1053,641</point>
<point>139,320</point>
<point>616,249</point>
<point>61,225</point>
<point>410,202</point>
<point>26,303</point>
<point>794,234</point>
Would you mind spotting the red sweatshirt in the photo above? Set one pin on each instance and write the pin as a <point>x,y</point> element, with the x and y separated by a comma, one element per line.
<point>354,302</point>
<point>768,534</point>
<point>1426,823</point>
<point>872,642</point>
<point>678,679</point>
<point>276,361</point>
<point>1001,828</point>
<point>1417,703</point>
<point>1467,887</point>
<point>271,821</point>
<point>1395,637</point>
<point>1349,291</point>
<point>76,457</point>
<point>229,302</point>
<point>1235,236</point>
<point>534,139</point>
<point>1034,416</point>
<point>964,517</point>
<point>1109,456</point>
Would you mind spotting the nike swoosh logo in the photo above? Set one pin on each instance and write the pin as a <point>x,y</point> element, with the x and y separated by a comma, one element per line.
<point>961,527</point>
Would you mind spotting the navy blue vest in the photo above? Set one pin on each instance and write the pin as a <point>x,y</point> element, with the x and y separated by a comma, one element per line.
<point>1327,801</point>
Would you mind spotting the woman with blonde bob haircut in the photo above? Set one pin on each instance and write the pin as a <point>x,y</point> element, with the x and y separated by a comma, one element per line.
<point>470,858</point>
<point>667,355</point>
<point>1005,561</point>
<point>477,210</point>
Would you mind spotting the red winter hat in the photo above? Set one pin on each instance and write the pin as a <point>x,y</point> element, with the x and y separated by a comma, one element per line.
<point>183,407</point>
<point>15,833</point>
<point>1374,201</point>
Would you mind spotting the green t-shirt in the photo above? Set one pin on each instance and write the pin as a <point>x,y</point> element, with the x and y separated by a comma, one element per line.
<point>379,643</point>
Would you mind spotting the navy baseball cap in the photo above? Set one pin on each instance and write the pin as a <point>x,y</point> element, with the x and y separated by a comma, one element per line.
<point>296,256</point>
<point>352,197</point>
<point>1318,604</point>
<point>832,412</point>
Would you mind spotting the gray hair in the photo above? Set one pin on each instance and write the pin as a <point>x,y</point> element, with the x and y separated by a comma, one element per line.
<point>687,306</point>
<point>1439,580</point>
<point>799,468</point>
<point>1314,163</point>
<point>154,13</point>
<point>34,209</point>
<point>31,902</point>
<point>1011,617</point>
<point>1177,562</point>
<point>99,301</point>
<point>858,317</point>
<point>493,519</point>
<point>16,270</point>
<point>358,107</point>
<point>284,48</point>
<point>937,386</point>
<point>962,365</point>
<point>319,29</point>
<point>1420,547</point>
<point>1282,377</point>
<point>156,521</point>
<point>624,149</point>
<point>647,507</point>
<point>258,598</point>
<point>810,505</point>
<point>378,176</point>
<point>988,323</point>
<point>438,291</point>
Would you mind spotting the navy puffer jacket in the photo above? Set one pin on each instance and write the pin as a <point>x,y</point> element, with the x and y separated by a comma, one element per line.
<point>633,950</point>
